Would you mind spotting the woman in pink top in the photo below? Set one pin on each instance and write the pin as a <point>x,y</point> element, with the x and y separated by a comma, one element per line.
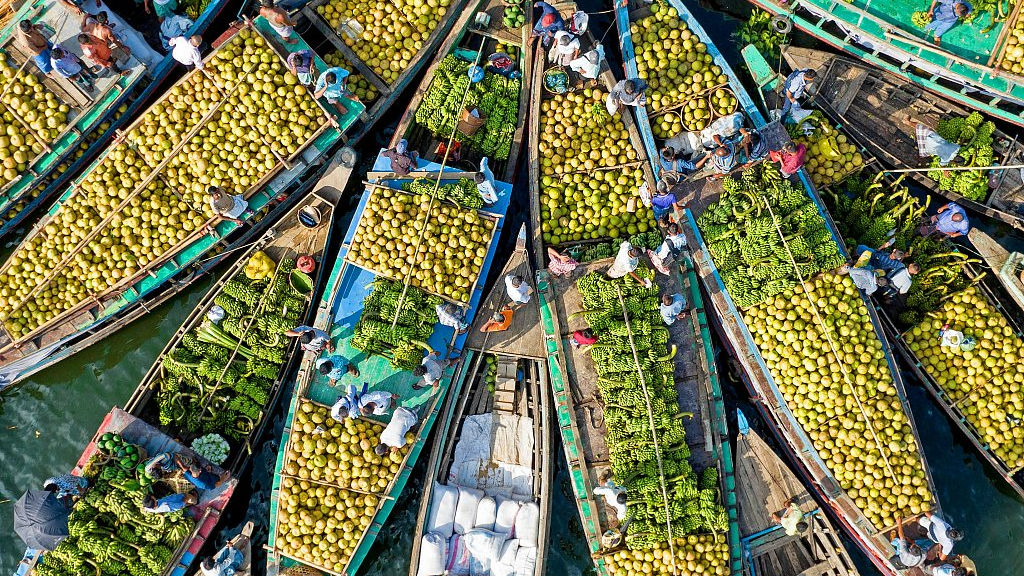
<point>790,159</point>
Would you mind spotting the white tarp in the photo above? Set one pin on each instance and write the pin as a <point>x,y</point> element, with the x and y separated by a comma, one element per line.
<point>495,455</point>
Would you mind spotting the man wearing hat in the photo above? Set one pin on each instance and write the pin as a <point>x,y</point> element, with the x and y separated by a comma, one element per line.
<point>550,22</point>
<point>402,159</point>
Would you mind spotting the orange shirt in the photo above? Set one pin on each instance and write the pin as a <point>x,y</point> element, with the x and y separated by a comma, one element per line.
<point>97,51</point>
<point>492,326</point>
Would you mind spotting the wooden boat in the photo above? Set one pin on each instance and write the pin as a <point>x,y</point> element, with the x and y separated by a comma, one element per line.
<point>1004,264</point>
<point>294,235</point>
<point>964,68</point>
<point>89,319</point>
<point>765,486</point>
<point>873,107</point>
<point>339,309</point>
<point>501,387</point>
<point>206,513</point>
<point>388,92</point>
<point>93,117</point>
<point>471,43</point>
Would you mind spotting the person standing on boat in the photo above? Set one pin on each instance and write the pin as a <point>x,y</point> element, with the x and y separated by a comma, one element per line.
<point>560,264</point>
<point>127,36</point>
<point>376,403</point>
<point>945,14</point>
<point>334,367</point>
<point>431,369</point>
<point>626,262</point>
<point>449,314</point>
<point>794,89</point>
<point>98,26</point>
<point>518,290</point>
<point>230,207</point>
<point>908,554</point>
<point>941,533</point>
<point>347,405</point>
<point>186,50</point>
<point>626,93</point>
<point>403,160</point>
<point>549,23</point>
<point>312,339</point>
<point>673,307</point>
<point>30,37</point>
<point>790,159</point>
<point>951,221</point>
<point>303,65</point>
<point>754,146</point>
<point>393,437</point>
<point>227,560</point>
<point>97,51</point>
<point>664,202</point>
<point>278,20</point>
<point>332,85</point>
<point>70,67</point>
<point>900,279</point>
<point>588,66</point>
<point>674,243</point>
<point>723,160</point>
<point>792,519</point>
<point>566,48</point>
<point>485,183</point>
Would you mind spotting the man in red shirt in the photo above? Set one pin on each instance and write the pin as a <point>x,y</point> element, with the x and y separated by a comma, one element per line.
<point>790,159</point>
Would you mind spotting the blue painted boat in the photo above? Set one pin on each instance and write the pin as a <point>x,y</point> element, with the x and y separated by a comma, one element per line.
<point>698,193</point>
<point>94,118</point>
<point>339,310</point>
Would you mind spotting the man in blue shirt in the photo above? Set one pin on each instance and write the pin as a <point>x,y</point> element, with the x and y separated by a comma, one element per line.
<point>550,21</point>
<point>945,14</point>
<point>331,85</point>
<point>669,161</point>
<point>672,308</point>
<point>334,367</point>
<point>69,66</point>
<point>167,504</point>
<point>796,85</point>
<point>723,160</point>
<point>951,221</point>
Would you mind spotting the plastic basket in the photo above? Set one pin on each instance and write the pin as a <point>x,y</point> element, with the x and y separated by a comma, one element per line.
<point>556,81</point>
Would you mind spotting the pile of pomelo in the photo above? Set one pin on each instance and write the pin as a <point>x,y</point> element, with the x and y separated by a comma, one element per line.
<point>698,554</point>
<point>589,172</point>
<point>681,74</point>
<point>263,114</point>
<point>360,86</point>
<point>385,34</point>
<point>831,157</point>
<point>848,405</point>
<point>1013,52</point>
<point>985,382</point>
<point>439,246</point>
<point>334,482</point>
<point>31,117</point>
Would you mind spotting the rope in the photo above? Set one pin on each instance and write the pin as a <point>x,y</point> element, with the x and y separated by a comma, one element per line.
<point>437,186</point>
<point>831,344</point>
<point>654,434</point>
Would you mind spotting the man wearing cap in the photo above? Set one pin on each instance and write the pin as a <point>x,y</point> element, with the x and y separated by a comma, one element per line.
<point>334,367</point>
<point>402,159</point>
<point>550,22</point>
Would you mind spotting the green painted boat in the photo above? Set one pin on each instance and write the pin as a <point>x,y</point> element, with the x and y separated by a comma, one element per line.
<point>338,312</point>
<point>96,316</point>
<point>965,67</point>
<point>93,117</point>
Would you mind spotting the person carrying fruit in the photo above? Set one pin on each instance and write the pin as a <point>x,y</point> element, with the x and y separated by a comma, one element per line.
<point>550,22</point>
<point>431,369</point>
<point>347,405</point>
<point>794,88</point>
<point>945,14</point>
<point>303,65</point>
<point>278,20</point>
<point>560,264</point>
<point>588,66</point>
<point>908,554</point>
<point>393,437</point>
<point>941,533</point>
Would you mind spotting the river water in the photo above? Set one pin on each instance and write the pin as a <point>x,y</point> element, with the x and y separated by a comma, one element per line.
<point>46,421</point>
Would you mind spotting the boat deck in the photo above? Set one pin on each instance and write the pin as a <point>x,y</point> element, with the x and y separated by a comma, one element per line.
<point>525,336</point>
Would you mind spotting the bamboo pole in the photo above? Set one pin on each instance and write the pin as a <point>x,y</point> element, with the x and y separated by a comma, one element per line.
<point>953,168</point>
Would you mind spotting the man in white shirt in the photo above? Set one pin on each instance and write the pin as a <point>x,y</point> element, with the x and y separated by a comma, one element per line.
<point>485,183</point>
<point>940,532</point>
<point>376,403</point>
<point>347,405</point>
<point>902,278</point>
<point>614,495</point>
<point>186,50</point>
<point>430,370</point>
<point>393,437</point>
<point>518,290</point>
<point>672,308</point>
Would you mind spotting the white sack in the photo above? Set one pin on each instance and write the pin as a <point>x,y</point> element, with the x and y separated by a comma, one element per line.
<point>527,525</point>
<point>486,512</point>
<point>505,520</point>
<point>433,552</point>
<point>443,504</point>
<point>465,511</point>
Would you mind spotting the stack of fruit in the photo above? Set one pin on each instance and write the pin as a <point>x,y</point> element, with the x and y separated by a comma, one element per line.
<point>637,396</point>
<point>589,172</point>
<point>439,247</point>
<point>219,376</point>
<point>496,97</point>
<point>830,158</point>
<point>360,86</point>
<point>868,211</point>
<point>110,535</point>
<point>30,118</point>
<point>974,135</point>
<point>385,34</point>
<point>704,554</point>
<point>984,382</point>
<point>267,115</point>
<point>513,16</point>
<point>193,8</point>
<point>680,72</point>
<point>394,326</point>
<point>742,231</point>
<point>334,485</point>
<point>596,251</point>
<point>462,192</point>
<point>820,345</point>
<point>1013,51</point>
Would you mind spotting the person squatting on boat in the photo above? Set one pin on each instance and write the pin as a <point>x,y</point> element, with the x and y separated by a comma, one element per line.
<point>792,519</point>
<point>549,23</point>
<point>794,88</point>
<point>626,93</point>
<point>450,315</point>
<point>673,307</point>
<point>951,221</point>
<point>499,322</point>
<point>334,367</point>
<point>431,369</point>
<point>227,560</point>
<point>944,16</point>
<point>393,438</point>
<point>790,158</point>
